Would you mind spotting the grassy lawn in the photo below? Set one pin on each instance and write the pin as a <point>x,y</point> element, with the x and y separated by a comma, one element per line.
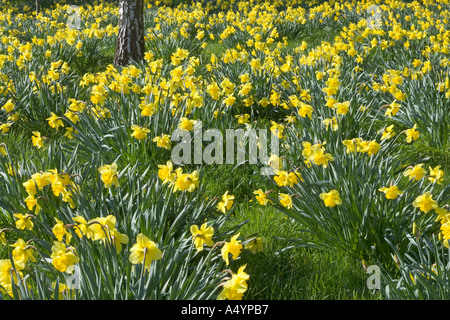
<point>284,271</point>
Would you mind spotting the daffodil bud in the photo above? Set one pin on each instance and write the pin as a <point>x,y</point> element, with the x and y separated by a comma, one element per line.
<point>364,264</point>
<point>416,231</point>
<point>396,260</point>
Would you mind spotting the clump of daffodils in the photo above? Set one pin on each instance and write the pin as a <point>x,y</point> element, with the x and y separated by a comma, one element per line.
<point>61,185</point>
<point>177,179</point>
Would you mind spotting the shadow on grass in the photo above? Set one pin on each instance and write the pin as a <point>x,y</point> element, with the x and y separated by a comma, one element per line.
<point>305,274</point>
<point>297,273</point>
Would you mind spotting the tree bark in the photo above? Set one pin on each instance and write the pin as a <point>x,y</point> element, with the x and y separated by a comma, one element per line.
<point>38,7</point>
<point>130,45</point>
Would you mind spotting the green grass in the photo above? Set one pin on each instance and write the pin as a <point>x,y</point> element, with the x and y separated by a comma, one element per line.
<point>315,38</point>
<point>295,273</point>
<point>213,47</point>
<point>96,62</point>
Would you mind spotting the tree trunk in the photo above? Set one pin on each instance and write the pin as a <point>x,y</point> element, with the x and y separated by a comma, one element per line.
<point>38,7</point>
<point>130,44</point>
